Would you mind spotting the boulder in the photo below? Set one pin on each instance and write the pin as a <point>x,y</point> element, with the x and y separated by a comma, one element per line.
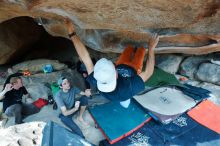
<point>189,27</point>
<point>22,134</point>
<point>36,66</point>
<point>169,63</point>
<point>38,90</point>
<point>74,77</point>
<point>209,72</point>
<point>190,65</point>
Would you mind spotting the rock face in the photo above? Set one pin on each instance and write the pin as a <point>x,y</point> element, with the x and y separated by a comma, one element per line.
<point>189,27</point>
<point>209,72</point>
<point>35,66</point>
<point>169,63</point>
<point>135,15</point>
<point>190,65</point>
<point>23,134</point>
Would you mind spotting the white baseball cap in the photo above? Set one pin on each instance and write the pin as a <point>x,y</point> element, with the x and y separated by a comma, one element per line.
<point>105,74</point>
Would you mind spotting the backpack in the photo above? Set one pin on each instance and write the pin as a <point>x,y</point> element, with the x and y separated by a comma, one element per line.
<point>55,88</point>
<point>40,103</point>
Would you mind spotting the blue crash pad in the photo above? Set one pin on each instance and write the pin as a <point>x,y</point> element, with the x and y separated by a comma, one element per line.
<point>183,131</point>
<point>56,135</point>
<point>117,122</point>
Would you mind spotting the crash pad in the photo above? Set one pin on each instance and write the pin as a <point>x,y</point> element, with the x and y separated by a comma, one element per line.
<point>183,131</point>
<point>165,101</point>
<point>207,114</point>
<point>142,137</point>
<point>117,122</point>
<point>197,93</point>
<point>56,135</point>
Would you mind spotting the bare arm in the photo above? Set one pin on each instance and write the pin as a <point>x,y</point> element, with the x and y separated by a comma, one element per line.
<point>80,48</point>
<point>8,87</point>
<point>149,68</point>
<point>2,94</point>
<point>66,112</point>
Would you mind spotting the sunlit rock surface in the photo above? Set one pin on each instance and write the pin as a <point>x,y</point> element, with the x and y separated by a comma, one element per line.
<point>189,27</point>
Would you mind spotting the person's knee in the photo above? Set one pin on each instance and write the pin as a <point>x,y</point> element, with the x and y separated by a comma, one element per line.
<point>13,109</point>
<point>18,107</point>
<point>62,117</point>
<point>83,101</point>
<point>35,110</point>
<point>8,113</point>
